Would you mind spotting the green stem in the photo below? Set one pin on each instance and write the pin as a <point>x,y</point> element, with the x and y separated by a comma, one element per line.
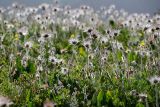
<point>156,91</point>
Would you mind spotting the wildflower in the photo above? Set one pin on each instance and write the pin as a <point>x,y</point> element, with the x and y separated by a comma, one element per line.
<point>87,44</point>
<point>91,56</point>
<point>39,68</point>
<point>48,103</point>
<point>5,102</point>
<point>44,86</point>
<point>28,45</point>
<point>24,61</point>
<point>10,26</point>
<point>2,10</point>
<point>142,43</point>
<point>38,17</point>
<point>94,35</point>
<point>52,51</point>
<point>1,38</point>
<point>117,45</point>
<point>73,41</point>
<point>62,51</point>
<point>41,40</point>
<point>37,75</point>
<point>44,6</point>
<point>134,93</point>
<point>64,71</point>
<point>46,35</point>
<point>60,61</point>
<point>154,80</point>
<point>142,97</point>
<point>53,59</point>
<point>23,31</point>
<point>104,59</point>
<point>89,30</point>
<point>104,40</point>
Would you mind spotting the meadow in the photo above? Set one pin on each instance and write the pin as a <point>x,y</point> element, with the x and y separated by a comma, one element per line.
<point>52,56</point>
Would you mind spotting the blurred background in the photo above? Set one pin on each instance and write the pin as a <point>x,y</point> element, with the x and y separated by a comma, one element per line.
<point>132,6</point>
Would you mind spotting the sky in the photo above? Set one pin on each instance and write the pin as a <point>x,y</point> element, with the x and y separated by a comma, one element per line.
<point>132,6</point>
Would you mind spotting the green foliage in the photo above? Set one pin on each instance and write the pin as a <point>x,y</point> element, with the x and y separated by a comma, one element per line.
<point>69,75</point>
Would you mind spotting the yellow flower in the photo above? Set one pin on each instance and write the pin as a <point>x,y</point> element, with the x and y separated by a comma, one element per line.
<point>142,43</point>
<point>16,37</point>
<point>82,51</point>
<point>72,36</point>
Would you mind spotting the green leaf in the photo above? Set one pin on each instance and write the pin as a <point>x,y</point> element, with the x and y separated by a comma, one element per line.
<point>94,99</point>
<point>108,96</point>
<point>100,98</point>
<point>131,56</point>
<point>31,68</point>
<point>119,55</point>
<point>140,105</point>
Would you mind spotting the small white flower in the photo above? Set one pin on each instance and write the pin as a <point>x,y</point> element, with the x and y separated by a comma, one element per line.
<point>154,80</point>
<point>37,75</point>
<point>64,70</point>
<point>73,41</point>
<point>41,40</point>
<point>117,45</point>
<point>24,61</point>
<point>142,95</point>
<point>104,59</point>
<point>104,40</point>
<point>1,38</point>
<point>39,68</point>
<point>44,6</point>
<point>134,93</point>
<point>4,101</point>
<point>28,45</point>
<point>46,35</point>
<point>87,44</point>
<point>48,103</point>
<point>53,59</point>
<point>23,30</point>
